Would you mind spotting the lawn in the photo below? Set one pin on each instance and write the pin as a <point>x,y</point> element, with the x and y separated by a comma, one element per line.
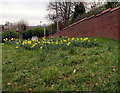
<point>71,68</point>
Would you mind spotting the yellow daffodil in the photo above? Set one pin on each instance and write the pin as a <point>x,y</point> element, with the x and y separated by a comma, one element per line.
<point>41,47</point>
<point>68,38</point>
<point>77,39</point>
<point>16,47</point>
<point>16,42</point>
<point>68,43</point>
<point>32,46</point>
<point>6,39</point>
<point>48,42</point>
<point>88,40</point>
<point>29,42</point>
<point>64,40</point>
<point>35,43</point>
<point>95,40</point>
<point>85,39</point>
<point>81,39</point>
<point>72,38</point>
<point>12,38</point>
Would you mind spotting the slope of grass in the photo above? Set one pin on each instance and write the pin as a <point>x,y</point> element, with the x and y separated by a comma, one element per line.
<point>74,69</point>
<point>0,67</point>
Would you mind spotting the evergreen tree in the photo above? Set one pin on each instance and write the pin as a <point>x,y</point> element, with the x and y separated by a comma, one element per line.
<point>79,10</point>
<point>112,4</point>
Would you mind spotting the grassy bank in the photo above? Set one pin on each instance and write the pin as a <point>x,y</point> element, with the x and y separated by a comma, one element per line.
<point>75,68</point>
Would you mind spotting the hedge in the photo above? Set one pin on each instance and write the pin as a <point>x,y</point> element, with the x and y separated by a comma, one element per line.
<point>39,32</point>
<point>10,34</point>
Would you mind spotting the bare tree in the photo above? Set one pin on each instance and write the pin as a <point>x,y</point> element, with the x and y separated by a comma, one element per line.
<point>21,26</point>
<point>61,11</point>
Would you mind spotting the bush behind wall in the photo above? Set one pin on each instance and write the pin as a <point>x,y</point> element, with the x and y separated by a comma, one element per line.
<point>39,32</point>
<point>10,34</point>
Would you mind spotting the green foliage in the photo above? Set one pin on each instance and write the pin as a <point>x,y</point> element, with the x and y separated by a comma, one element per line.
<point>10,34</point>
<point>112,4</point>
<point>39,32</point>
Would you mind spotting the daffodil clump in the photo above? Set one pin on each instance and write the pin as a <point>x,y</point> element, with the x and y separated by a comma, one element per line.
<point>9,41</point>
<point>53,43</point>
<point>12,39</point>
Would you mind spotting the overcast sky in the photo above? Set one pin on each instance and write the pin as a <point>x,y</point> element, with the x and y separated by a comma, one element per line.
<point>32,11</point>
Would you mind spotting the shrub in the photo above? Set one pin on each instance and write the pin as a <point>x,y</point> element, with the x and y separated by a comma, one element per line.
<point>39,32</point>
<point>79,9</point>
<point>112,4</point>
<point>10,34</point>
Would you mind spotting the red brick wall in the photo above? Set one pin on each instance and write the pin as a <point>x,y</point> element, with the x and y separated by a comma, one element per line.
<point>105,24</point>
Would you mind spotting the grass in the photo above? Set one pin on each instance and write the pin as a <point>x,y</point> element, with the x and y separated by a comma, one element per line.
<point>73,69</point>
<point>0,67</point>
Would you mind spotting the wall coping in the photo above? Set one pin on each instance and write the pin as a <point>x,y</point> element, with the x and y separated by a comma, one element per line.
<point>116,8</point>
<point>92,16</point>
<point>103,12</point>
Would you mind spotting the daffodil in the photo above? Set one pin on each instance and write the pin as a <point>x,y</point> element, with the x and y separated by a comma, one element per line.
<point>16,47</point>
<point>77,39</point>
<point>68,38</point>
<point>64,40</point>
<point>41,47</point>
<point>81,39</point>
<point>12,38</point>
<point>95,39</point>
<point>16,42</point>
<point>85,39</point>
<point>88,40</point>
<point>29,42</point>
<point>68,43</point>
<point>6,39</point>
<point>72,38</point>
<point>32,46</point>
<point>48,42</point>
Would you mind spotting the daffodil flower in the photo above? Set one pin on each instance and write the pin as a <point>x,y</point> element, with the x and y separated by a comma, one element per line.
<point>16,47</point>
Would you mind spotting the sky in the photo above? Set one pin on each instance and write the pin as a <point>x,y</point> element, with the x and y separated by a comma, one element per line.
<point>31,11</point>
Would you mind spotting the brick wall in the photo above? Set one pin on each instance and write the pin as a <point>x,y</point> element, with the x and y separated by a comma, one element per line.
<point>105,24</point>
